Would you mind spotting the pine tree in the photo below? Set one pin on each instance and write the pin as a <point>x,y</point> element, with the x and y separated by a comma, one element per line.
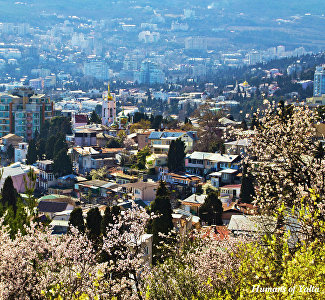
<point>76,219</point>
<point>31,156</point>
<point>176,156</point>
<point>94,220</point>
<point>247,191</point>
<point>211,210</point>
<point>161,207</point>
<point>9,194</point>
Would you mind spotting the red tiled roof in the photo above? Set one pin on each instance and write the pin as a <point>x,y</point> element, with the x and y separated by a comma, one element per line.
<point>81,119</point>
<point>111,150</point>
<point>231,186</point>
<point>217,232</point>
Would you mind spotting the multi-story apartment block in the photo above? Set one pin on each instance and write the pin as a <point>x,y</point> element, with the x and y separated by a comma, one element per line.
<point>22,112</point>
<point>196,43</point>
<point>46,176</point>
<point>319,81</point>
<point>149,73</point>
<point>203,163</point>
<point>160,140</point>
<point>96,68</point>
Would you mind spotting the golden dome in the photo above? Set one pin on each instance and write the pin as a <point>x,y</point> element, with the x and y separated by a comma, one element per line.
<point>114,125</point>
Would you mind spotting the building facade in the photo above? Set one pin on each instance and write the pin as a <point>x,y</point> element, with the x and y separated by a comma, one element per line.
<point>21,152</point>
<point>160,140</point>
<point>46,176</point>
<point>96,68</point>
<point>108,109</point>
<point>149,73</point>
<point>319,81</point>
<point>22,112</point>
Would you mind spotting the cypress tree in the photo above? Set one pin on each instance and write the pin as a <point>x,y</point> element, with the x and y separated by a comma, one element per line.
<point>31,156</point>
<point>62,164</point>
<point>94,118</point>
<point>94,220</point>
<point>10,152</point>
<point>9,194</point>
<point>254,123</point>
<point>156,123</point>
<point>176,156</point>
<point>41,148</point>
<point>162,208</point>
<point>107,219</point>
<point>243,125</point>
<point>76,219</point>
<point>211,211</point>
<point>60,144</point>
<point>49,150</point>
<point>110,215</point>
<point>116,210</point>
<point>320,153</point>
<point>247,191</point>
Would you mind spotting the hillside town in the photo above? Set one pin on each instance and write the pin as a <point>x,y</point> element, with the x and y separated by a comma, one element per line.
<point>162,150</point>
<point>104,152</point>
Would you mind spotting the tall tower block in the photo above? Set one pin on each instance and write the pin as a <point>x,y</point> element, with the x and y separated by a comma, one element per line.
<point>108,109</point>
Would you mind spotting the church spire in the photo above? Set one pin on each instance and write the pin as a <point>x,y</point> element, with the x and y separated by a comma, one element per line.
<point>109,96</point>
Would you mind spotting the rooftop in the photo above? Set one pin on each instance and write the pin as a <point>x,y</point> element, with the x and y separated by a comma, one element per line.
<point>52,207</point>
<point>96,183</point>
<point>195,199</point>
<point>140,185</point>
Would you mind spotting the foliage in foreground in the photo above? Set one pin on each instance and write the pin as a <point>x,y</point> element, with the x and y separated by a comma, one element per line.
<point>234,269</point>
<point>39,265</point>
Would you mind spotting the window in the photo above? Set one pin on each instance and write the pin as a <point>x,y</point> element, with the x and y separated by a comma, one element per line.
<point>4,107</point>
